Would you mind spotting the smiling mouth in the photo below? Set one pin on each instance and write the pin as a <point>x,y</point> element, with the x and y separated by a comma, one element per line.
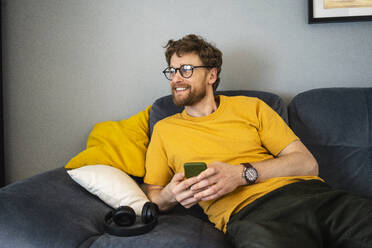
<point>180,89</point>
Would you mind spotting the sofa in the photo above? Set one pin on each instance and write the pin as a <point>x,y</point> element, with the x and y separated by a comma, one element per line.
<point>52,210</point>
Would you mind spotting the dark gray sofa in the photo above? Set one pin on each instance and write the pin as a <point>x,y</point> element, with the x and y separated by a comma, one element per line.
<point>51,210</point>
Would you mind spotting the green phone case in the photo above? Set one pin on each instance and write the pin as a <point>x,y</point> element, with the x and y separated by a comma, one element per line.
<point>193,169</point>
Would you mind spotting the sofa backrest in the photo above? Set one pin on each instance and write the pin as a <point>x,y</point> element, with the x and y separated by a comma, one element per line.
<point>335,124</point>
<point>164,106</point>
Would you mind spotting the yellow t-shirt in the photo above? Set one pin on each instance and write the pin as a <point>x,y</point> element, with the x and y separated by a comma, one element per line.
<point>242,129</point>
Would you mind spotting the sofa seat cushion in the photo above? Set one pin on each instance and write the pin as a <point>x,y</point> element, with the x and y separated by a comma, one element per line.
<point>336,126</point>
<point>52,210</point>
<point>172,230</point>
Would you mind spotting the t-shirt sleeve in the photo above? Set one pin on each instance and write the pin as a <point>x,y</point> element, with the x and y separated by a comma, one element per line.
<point>157,170</point>
<point>274,132</point>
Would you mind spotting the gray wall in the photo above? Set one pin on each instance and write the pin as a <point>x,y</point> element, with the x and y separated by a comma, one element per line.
<point>69,64</point>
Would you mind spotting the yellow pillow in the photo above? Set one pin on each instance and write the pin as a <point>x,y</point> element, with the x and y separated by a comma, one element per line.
<point>121,144</point>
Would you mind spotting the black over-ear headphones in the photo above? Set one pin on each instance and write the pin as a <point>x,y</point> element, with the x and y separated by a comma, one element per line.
<point>122,221</point>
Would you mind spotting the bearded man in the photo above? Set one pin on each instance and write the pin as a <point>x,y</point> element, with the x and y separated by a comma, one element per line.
<point>261,186</point>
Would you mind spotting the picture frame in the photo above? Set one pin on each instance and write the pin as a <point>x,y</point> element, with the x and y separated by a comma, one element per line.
<point>328,11</point>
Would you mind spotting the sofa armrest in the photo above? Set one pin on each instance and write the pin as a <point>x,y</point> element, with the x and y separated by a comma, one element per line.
<point>49,210</point>
<point>336,126</point>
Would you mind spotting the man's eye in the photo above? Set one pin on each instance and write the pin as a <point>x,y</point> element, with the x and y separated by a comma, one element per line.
<point>187,68</point>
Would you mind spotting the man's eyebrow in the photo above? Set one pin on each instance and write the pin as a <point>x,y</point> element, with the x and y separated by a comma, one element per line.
<point>179,66</point>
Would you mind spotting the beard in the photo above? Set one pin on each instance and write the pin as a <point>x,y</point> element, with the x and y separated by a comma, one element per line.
<point>192,97</point>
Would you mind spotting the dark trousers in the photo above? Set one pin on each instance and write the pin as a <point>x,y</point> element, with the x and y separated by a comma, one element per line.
<point>301,215</point>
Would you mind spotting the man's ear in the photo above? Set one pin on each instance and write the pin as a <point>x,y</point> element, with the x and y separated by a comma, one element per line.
<point>212,75</point>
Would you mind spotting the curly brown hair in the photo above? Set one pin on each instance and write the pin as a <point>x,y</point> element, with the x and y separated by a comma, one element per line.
<point>208,53</point>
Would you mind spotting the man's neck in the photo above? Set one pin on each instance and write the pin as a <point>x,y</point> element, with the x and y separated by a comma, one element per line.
<point>205,107</point>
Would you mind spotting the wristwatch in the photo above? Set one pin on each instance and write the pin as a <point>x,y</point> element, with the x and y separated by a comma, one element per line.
<point>249,173</point>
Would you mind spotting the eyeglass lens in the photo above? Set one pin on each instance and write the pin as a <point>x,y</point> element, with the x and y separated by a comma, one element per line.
<point>185,71</point>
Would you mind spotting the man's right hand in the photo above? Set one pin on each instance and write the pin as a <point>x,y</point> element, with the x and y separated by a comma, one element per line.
<point>180,189</point>
<point>176,191</point>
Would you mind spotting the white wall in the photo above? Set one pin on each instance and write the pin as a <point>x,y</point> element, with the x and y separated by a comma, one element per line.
<point>69,64</point>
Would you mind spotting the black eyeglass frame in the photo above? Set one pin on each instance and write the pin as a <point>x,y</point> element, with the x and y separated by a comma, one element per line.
<point>179,69</point>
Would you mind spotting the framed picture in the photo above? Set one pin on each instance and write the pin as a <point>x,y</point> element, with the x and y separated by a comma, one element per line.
<point>321,11</point>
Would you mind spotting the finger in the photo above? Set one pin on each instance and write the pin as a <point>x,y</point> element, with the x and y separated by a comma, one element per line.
<point>178,177</point>
<point>189,202</point>
<point>204,183</point>
<point>212,192</point>
<point>185,196</point>
<point>184,185</point>
<point>199,190</point>
<point>217,191</point>
<point>207,173</point>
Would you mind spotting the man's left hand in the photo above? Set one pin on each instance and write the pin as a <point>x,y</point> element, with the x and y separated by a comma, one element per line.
<point>218,180</point>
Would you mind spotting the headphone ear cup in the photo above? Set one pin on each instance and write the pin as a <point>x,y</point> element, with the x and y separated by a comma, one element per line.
<point>124,216</point>
<point>150,212</point>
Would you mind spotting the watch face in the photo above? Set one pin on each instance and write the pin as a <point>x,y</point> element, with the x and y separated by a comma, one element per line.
<point>251,175</point>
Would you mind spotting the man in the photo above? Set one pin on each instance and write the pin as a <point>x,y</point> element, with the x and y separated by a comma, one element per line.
<point>261,181</point>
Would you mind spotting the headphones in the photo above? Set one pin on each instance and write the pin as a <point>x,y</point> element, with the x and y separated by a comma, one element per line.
<point>122,221</point>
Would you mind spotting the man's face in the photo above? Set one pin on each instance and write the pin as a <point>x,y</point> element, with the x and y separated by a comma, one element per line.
<point>188,91</point>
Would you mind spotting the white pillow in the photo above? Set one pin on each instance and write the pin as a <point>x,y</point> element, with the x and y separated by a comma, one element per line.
<point>111,185</point>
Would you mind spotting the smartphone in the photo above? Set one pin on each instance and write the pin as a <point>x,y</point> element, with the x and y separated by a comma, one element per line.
<point>193,169</point>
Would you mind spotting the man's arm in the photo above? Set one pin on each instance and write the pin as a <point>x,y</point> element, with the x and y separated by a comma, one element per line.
<point>176,191</point>
<point>221,178</point>
<point>293,160</point>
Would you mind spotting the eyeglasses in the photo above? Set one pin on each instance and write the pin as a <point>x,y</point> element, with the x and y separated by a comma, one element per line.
<point>185,71</point>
